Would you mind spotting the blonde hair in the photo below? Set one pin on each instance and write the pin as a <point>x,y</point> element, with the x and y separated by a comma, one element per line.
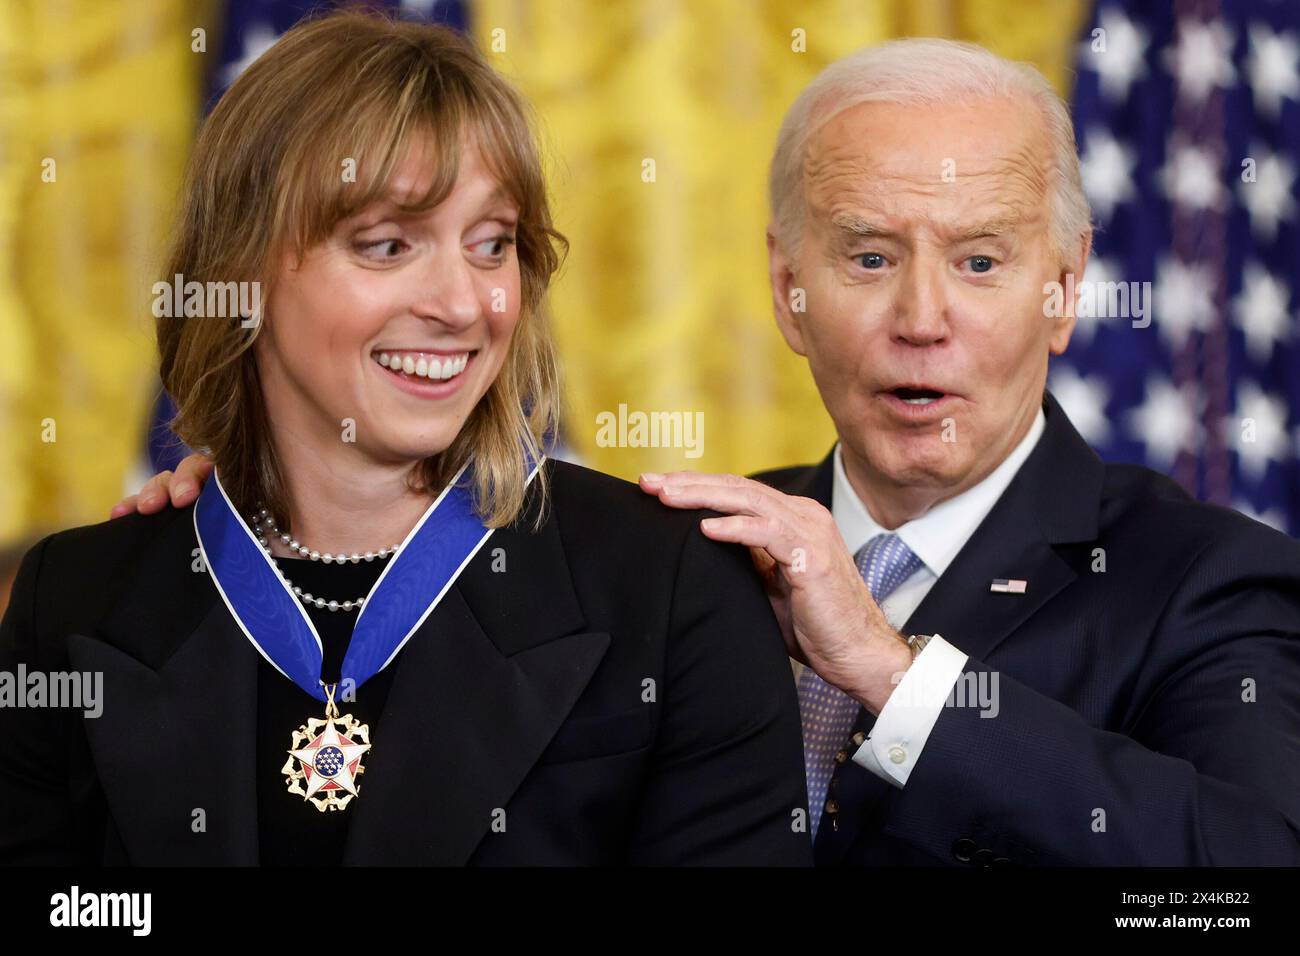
<point>265,177</point>
<point>925,70</point>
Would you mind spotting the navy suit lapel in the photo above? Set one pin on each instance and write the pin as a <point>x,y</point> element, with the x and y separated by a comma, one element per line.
<point>1052,500</point>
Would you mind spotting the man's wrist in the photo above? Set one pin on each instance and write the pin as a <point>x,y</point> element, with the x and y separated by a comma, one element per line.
<point>884,672</point>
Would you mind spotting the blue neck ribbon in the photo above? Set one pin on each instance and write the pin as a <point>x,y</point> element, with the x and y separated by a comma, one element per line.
<point>424,568</point>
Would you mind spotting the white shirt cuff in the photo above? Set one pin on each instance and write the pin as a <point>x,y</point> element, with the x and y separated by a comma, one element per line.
<point>905,722</point>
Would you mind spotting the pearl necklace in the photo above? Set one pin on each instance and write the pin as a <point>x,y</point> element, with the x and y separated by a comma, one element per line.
<point>263,520</point>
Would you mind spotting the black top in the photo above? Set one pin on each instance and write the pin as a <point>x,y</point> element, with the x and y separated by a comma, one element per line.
<point>602,685</point>
<point>291,830</point>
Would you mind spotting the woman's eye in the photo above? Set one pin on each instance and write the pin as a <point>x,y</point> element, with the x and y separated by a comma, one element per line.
<point>382,248</point>
<point>871,260</point>
<point>494,248</point>
<point>980,263</point>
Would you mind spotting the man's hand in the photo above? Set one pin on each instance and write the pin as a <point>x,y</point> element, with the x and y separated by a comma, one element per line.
<point>827,614</point>
<point>180,489</point>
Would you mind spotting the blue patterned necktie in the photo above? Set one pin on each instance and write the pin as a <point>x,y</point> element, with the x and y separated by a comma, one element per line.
<point>828,713</point>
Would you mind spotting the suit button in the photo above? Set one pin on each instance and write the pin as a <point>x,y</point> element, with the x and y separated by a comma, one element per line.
<point>963,849</point>
<point>1001,861</point>
<point>858,738</point>
<point>842,755</point>
<point>983,857</point>
<point>832,806</point>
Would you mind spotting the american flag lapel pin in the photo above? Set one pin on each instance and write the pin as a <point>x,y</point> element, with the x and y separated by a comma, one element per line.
<point>1008,586</point>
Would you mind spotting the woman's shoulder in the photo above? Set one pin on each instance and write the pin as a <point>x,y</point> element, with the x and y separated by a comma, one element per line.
<point>590,498</point>
<point>118,540</point>
<point>74,572</point>
<point>616,533</point>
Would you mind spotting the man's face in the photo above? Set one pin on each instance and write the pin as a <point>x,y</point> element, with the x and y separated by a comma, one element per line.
<point>924,255</point>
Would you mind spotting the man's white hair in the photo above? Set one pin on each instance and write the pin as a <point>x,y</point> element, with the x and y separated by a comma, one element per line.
<point>924,70</point>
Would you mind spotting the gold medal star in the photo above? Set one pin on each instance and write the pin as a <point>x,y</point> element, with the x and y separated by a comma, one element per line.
<point>330,762</point>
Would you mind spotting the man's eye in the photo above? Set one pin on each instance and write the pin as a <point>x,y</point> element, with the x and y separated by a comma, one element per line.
<point>980,263</point>
<point>871,260</point>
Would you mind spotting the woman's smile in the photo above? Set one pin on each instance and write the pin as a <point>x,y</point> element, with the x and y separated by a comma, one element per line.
<point>430,375</point>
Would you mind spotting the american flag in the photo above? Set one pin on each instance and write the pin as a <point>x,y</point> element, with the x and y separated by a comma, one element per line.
<point>1187,114</point>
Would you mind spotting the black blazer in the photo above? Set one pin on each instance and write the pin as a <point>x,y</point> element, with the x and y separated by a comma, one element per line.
<point>522,690</point>
<point>1121,696</point>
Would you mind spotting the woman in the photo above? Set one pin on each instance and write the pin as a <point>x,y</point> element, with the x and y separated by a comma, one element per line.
<point>389,631</point>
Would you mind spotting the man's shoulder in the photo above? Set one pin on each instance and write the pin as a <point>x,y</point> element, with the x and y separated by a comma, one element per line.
<point>1137,502</point>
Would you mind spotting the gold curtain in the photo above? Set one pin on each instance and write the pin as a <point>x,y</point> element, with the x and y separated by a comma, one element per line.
<point>662,306</point>
<point>97,109</point>
<point>664,303</point>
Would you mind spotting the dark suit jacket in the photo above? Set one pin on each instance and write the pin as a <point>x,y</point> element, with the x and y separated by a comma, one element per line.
<point>1122,692</point>
<point>522,690</point>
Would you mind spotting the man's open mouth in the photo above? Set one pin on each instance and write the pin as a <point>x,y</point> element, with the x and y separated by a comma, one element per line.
<point>920,395</point>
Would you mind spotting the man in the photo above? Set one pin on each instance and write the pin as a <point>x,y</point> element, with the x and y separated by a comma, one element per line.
<point>1127,659</point>
<point>1010,652</point>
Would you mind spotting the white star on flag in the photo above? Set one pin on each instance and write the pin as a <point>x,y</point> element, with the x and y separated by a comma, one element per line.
<point>422,8</point>
<point>1274,68</point>
<point>1190,178</point>
<point>1107,168</point>
<point>1262,312</point>
<point>1084,399</point>
<point>1123,59</point>
<point>1183,300</point>
<point>1267,197</point>
<point>1258,432</point>
<point>257,39</point>
<point>1201,59</point>
<point>1165,422</point>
